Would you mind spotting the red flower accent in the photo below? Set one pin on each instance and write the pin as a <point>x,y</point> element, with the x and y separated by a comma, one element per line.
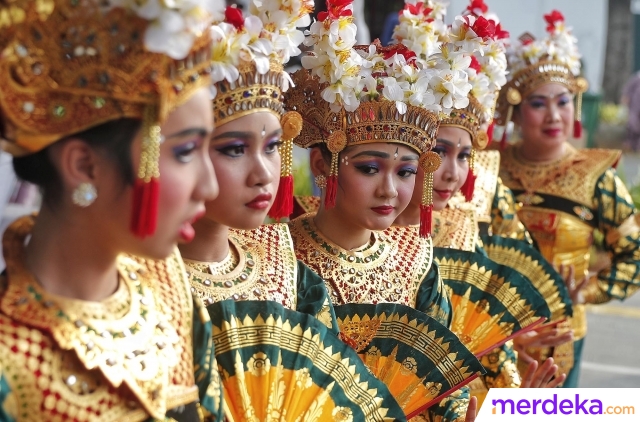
<point>501,34</point>
<point>336,9</point>
<point>475,64</point>
<point>233,15</point>
<point>477,4</point>
<point>552,18</point>
<point>527,41</point>
<point>402,50</point>
<point>417,9</point>
<point>484,28</point>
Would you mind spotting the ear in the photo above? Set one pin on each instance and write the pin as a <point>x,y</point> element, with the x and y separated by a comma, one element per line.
<point>317,163</point>
<point>76,163</point>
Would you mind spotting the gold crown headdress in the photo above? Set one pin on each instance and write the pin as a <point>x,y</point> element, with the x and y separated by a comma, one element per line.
<point>367,94</point>
<point>70,65</point>
<point>248,60</point>
<point>536,62</point>
<point>488,72</point>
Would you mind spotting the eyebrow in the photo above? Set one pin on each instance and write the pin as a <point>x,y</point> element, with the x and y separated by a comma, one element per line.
<point>202,132</point>
<point>244,135</point>
<point>381,154</point>
<point>450,144</point>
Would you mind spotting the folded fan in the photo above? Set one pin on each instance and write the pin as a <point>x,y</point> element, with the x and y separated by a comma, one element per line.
<point>491,303</point>
<point>419,359</point>
<point>280,365</point>
<point>531,264</point>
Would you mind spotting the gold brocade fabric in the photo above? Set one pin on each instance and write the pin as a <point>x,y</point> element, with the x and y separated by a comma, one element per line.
<point>487,166</point>
<point>563,236</point>
<point>455,228</point>
<point>262,266</point>
<point>389,269</point>
<point>129,357</point>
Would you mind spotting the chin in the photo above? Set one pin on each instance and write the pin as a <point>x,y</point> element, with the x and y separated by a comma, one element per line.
<point>250,222</point>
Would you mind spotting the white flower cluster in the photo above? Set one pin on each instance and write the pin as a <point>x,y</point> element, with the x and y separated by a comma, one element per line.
<point>560,47</point>
<point>421,26</point>
<point>438,82</point>
<point>269,32</point>
<point>174,24</point>
<point>488,72</point>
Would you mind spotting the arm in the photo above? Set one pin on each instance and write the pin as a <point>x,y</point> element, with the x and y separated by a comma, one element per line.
<point>205,366</point>
<point>313,298</point>
<point>619,222</point>
<point>504,217</point>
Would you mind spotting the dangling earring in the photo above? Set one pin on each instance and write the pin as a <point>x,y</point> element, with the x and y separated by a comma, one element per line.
<point>84,195</point>
<point>321,181</point>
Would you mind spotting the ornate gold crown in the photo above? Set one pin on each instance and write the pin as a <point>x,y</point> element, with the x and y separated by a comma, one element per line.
<point>372,121</point>
<point>527,80</point>
<point>470,119</point>
<point>67,66</point>
<point>250,93</point>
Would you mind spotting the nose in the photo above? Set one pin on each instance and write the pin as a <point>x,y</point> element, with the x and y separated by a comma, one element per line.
<point>553,112</point>
<point>207,188</point>
<point>449,168</point>
<point>261,173</point>
<point>387,187</point>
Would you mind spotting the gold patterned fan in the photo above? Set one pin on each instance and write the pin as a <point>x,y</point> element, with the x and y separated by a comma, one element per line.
<point>419,359</point>
<point>280,365</point>
<point>531,264</point>
<point>491,303</point>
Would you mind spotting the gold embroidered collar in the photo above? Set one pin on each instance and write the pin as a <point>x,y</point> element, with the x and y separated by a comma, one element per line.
<point>533,176</point>
<point>127,336</point>
<point>390,269</point>
<point>265,269</point>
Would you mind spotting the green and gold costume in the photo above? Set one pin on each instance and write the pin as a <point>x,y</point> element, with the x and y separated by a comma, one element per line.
<point>142,354</point>
<point>262,265</point>
<point>395,267</point>
<point>563,203</point>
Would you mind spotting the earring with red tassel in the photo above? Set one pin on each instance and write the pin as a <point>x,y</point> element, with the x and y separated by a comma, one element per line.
<point>282,207</point>
<point>429,162</point>
<point>581,87</point>
<point>513,98</point>
<point>336,142</point>
<point>144,213</point>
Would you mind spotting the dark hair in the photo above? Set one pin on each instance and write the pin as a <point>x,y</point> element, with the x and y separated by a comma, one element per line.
<point>113,139</point>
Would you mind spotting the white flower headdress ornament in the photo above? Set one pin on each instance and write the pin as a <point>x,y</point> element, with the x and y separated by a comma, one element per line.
<point>350,95</point>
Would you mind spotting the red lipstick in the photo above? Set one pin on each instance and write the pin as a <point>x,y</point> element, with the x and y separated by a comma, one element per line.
<point>260,202</point>
<point>383,210</point>
<point>552,132</point>
<point>444,194</point>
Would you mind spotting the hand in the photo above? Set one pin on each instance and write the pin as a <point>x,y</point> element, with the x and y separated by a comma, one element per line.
<point>540,377</point>
<point>575,290</point>
<point>537,339</point>
<point>472,410</point>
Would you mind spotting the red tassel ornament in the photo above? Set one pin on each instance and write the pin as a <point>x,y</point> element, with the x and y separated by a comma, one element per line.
<point>146,191</point>
<point>426,220</point>
<point>332,191</point>
<point>503,141</point>
<point>469,185</point>
<point>283,204</point>
<point>577,129</point>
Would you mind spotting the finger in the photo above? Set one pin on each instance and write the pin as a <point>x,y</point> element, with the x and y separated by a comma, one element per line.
<point>553,369</point>
<point>541,373</point>
<point>472,410</point>
<point>583,283</point>
<point>557,381</point>
<point>527,379</point>
<point>558,340</point>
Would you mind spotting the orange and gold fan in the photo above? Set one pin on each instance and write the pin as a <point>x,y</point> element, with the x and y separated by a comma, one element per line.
<point>281,365</point>
<point>531,264</point>
<point>491,303</point>
<point>419,359</point>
